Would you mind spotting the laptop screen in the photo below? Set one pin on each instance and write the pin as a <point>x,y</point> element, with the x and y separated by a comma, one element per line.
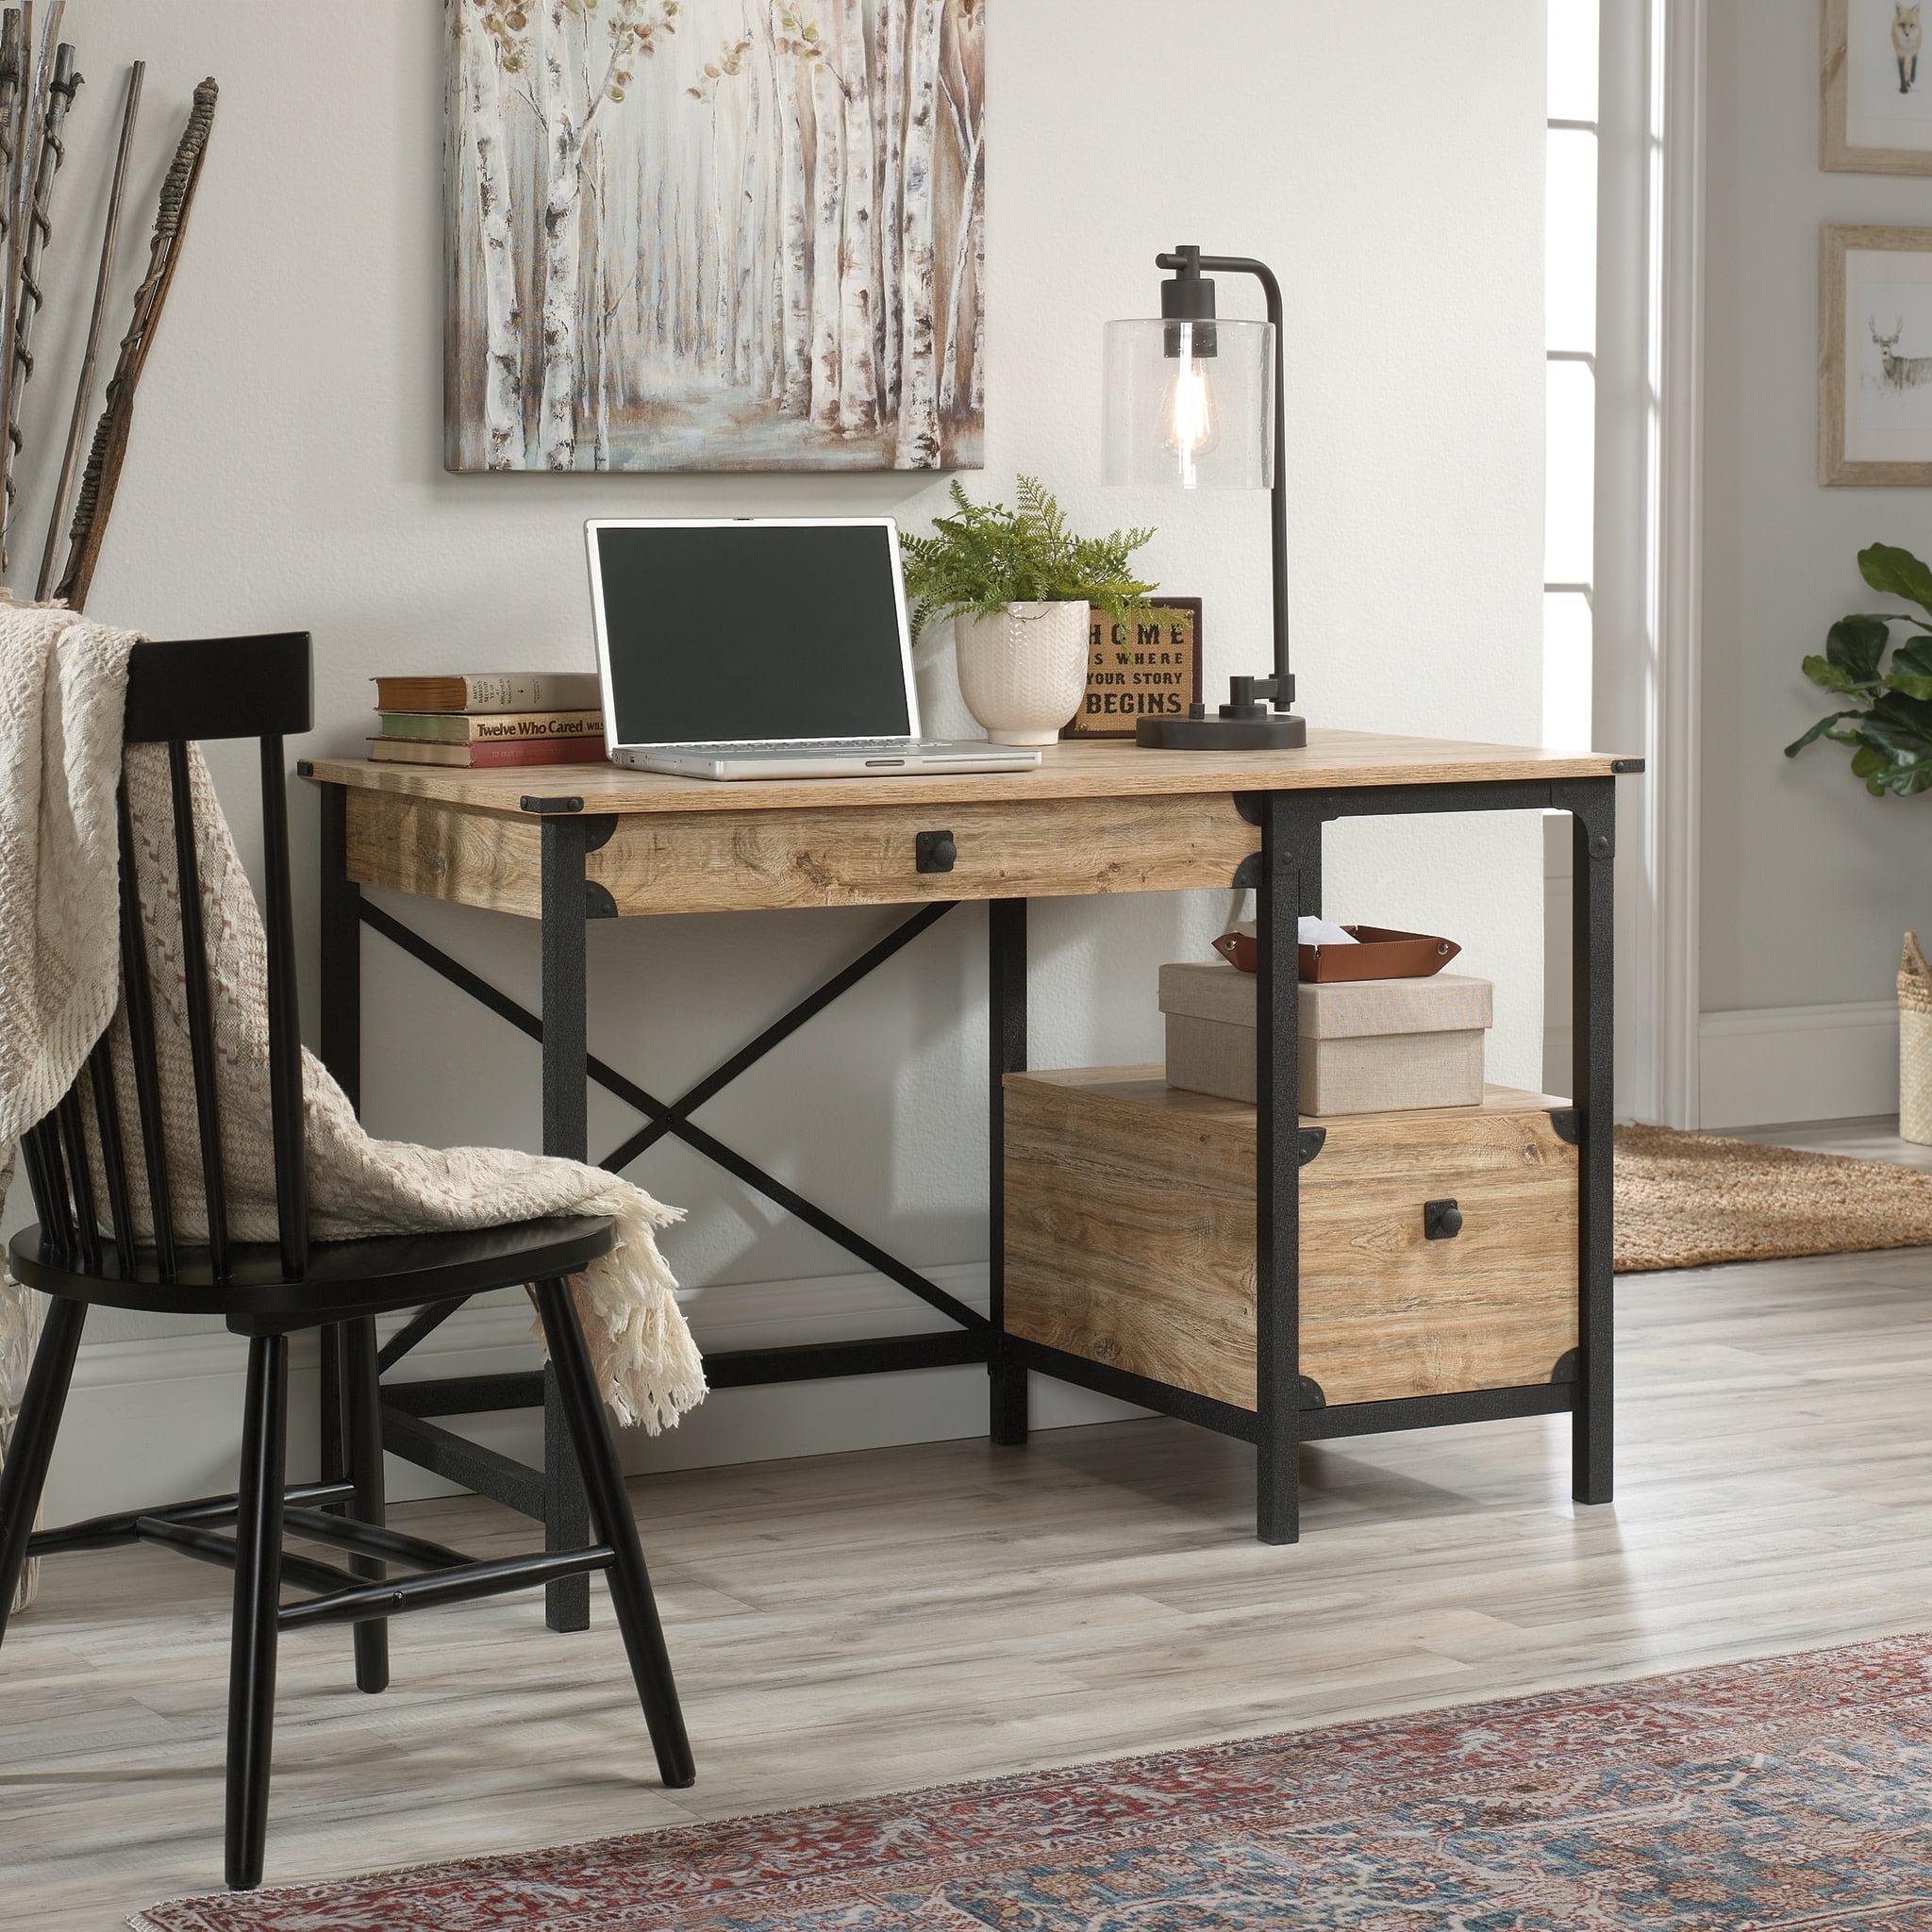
<point>742,631</point>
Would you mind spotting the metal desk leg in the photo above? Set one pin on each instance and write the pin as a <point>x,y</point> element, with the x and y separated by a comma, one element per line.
<point>1006,980</point>
<point>566,1132</point>
<point>1289,827</point>
<point>340,919</point>
<point>1592,805</point>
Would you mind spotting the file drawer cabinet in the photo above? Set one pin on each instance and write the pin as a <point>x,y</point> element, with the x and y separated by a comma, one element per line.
<point>1438,1248</point>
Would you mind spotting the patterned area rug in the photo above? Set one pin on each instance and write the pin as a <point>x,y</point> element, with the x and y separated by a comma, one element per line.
<point>1794,1793</point>
<point>1691,1200</point>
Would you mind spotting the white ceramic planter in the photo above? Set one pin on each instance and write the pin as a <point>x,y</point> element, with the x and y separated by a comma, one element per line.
<point>1023,672</point>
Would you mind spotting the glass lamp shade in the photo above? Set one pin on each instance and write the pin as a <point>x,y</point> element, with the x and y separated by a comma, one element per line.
<point>1189,405</point>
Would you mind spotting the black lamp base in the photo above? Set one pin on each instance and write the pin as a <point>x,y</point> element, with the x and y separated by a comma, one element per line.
<point>1273,731</point>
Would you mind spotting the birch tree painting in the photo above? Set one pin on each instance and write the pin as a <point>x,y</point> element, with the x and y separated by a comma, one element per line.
<point>715,235</point>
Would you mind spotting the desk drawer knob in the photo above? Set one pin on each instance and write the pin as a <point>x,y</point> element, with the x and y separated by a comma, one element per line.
<point>1441,1221</point>
<point>935,852</point>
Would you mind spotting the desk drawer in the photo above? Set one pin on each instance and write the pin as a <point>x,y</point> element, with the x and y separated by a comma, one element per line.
<point>740,862</point>
<point>1130,1240</point>
<point>746,862</point>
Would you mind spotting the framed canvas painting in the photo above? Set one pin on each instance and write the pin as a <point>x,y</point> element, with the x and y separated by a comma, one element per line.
<point>715,235</point>
<point>1874,416</point>
<point>1877,88</point>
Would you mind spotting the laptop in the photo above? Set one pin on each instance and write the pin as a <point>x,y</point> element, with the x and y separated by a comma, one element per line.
<point>764,647</point>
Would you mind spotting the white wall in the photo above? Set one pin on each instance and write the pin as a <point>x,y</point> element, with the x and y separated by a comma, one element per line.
<point>285,474</point>
<point>1807,882</point>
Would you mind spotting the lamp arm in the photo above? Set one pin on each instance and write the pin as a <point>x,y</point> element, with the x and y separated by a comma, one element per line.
<point>1271,290</point>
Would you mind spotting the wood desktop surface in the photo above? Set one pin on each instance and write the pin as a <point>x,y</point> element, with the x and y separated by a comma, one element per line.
<point>1092,818</point>
<point>1331,760</point>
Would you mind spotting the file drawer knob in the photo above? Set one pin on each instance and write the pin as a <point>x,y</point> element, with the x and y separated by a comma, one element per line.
<point>1441,1221</point>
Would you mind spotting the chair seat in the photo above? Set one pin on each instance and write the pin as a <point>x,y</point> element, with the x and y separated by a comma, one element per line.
<point>345,1278</point>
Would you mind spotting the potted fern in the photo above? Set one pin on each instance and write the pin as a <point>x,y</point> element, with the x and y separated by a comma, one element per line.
<point>1019,585</point>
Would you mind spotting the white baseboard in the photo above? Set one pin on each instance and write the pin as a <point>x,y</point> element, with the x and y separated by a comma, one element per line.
<point>151,1421</point>
<point>1798,1063</point>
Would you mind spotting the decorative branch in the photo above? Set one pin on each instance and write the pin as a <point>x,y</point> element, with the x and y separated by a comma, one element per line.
<point>39,100</point>
<point>12,77</point>
<point>61,89</point>
<point>17,190</point>
<point>84,389</point>
<point>102,475</point>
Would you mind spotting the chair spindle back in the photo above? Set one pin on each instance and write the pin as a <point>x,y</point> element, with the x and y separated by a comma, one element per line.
<point>178,692</point>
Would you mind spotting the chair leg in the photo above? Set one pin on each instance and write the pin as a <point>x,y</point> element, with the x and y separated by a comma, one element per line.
<point>332,1465</point>
<point>363,1445</point>
<point>258,1598</point>
<point>32,1448</point>
<point>630,1583</point>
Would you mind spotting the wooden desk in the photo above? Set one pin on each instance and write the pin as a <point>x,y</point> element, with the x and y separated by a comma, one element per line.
<point>564,845</point>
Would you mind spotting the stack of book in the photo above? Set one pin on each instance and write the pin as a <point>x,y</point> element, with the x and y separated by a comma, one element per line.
<point>490,718</point>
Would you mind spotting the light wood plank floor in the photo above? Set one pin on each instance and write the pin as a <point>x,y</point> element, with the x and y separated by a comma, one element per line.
<point>862,1623</point>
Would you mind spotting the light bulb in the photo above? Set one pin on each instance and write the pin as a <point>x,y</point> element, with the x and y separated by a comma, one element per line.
<point>1190,424</point>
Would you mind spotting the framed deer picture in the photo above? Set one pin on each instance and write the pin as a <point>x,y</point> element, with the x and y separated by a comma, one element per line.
<point>1876,87</point>
<point>715,235</point>
<point>1875,411</point>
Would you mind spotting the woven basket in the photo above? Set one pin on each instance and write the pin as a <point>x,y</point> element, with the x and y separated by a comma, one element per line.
<point>1915,1044</point>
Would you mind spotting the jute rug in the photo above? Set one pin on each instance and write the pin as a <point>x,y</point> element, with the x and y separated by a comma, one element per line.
<point>1689,1200</point>
<point>1786,1793</point>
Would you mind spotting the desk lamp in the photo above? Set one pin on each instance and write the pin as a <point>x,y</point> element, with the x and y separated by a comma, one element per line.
<point>1195,403</point>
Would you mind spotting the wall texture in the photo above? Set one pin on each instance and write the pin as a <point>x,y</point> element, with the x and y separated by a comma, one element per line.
<point>285,472</point>
<point>1807,883</point>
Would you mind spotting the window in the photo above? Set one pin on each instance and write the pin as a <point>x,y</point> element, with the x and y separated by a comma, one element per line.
<point>1570,351</point>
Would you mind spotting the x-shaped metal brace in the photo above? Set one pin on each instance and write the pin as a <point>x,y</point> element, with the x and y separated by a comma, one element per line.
<point>674,1117</point>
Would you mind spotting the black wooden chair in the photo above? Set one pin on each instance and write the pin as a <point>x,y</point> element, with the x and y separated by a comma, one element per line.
<point>260,688</point>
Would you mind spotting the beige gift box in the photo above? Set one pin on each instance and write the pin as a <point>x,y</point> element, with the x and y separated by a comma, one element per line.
<point>1367,1045</point>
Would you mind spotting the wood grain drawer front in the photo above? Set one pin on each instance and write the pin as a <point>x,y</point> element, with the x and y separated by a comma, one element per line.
<point>1130,1240</point>
<point>492,859</point>
<point>743,861</point>
<point>1387,1312</point>
<point>740,862</point>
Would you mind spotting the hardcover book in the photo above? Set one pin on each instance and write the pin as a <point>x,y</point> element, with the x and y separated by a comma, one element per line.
<point>457,728</point>
<point>499,751</point>
<point>490,690</point>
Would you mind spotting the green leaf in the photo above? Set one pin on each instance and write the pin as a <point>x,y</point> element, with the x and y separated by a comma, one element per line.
<point>1900,724</point>
<point>1910,670</point>
<point>1821,671</point>
<point>1855,645</point>
<point>1816,732</point>
<point>1906,780</point>
<point>1887,568</point>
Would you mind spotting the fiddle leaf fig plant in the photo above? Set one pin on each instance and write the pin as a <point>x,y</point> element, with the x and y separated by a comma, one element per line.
<point>1888,725</point>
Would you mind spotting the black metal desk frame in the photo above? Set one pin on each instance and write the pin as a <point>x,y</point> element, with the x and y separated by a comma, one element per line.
<point>1285,875</point>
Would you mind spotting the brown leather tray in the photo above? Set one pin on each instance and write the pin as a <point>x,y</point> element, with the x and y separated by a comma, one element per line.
<point>1382,954</point>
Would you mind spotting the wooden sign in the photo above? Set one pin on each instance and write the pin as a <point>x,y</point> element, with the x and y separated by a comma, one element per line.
<point>1149,667</point>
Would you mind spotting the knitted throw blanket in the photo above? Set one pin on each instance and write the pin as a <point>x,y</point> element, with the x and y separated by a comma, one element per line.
<point>62,691</point>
